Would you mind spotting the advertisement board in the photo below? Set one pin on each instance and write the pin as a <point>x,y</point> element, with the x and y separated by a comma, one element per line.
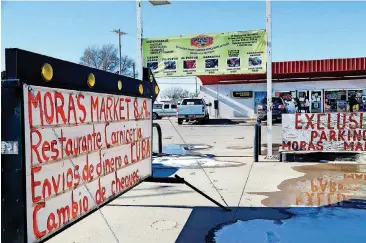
<point>241,52</point>
<point>341,131</point>
<point>242,94</point>
<point>82,149</point>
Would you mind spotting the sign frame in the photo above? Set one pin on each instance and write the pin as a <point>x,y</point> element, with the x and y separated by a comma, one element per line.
<point>24,67</point>
<point>237,52</point>
<point>241,94</point>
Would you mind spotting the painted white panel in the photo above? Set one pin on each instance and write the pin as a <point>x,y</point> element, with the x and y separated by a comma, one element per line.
<point>324,132</point>
<point>236,108</point>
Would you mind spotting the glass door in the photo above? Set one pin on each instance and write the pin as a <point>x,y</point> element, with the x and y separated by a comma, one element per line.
<point>316,101</point>
<point>303,101</point>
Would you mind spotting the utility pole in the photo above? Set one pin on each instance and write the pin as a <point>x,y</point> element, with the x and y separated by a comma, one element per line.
<point>269,77</point>
<point>139,40</point>
<point>139,32</point>
<point>120,33</point>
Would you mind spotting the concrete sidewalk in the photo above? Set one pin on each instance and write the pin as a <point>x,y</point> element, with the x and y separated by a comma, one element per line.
<point>175,213</point>
<point>161,213</point>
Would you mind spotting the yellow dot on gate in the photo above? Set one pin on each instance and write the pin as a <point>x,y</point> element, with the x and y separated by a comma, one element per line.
<point>141,89</point>
<point>91,80</point>
<point>47,72</point>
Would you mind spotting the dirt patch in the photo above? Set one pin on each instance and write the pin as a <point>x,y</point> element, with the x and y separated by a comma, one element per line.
<point>321,184</point>
<point>275,148</point>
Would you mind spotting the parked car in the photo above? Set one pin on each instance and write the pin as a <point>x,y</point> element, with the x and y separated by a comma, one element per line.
<point>278,108</point>
<point>193,109</point>
<point>164,110</point>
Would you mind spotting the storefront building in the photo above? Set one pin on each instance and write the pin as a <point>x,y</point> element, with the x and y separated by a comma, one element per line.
<point>332,85</point>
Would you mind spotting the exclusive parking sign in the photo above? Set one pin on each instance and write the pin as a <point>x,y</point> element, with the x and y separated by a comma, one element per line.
<point>85,138</point>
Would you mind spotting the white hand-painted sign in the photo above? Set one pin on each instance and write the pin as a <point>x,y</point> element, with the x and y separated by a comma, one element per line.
<point>324,132</point>
<point>82,150</point>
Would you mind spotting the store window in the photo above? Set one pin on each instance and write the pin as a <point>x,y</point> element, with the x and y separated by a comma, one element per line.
<point>356,100</point>
<point>289,98</point>
<point>335,101</point>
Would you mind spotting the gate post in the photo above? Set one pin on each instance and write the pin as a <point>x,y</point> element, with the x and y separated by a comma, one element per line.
<point>158,128</point>
<point>13,198</point>
<point>255,147</point>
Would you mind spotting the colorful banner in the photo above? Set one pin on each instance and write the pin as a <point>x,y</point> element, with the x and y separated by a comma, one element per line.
<point>242,52</point>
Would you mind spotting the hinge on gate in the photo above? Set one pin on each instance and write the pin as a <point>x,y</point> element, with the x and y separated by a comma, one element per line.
<point>3,75</point>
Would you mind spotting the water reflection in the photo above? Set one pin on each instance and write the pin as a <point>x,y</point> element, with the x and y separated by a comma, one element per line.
<point>321,184</point>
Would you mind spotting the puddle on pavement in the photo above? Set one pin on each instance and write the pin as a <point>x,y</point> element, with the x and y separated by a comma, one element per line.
<point>187,156</point>
<point>175,149</point>
<point>324,224</point>
<point>184,149</point>
<point>321,184</point>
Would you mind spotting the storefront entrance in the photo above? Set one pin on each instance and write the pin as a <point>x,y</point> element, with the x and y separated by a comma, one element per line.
<point>316,101</point>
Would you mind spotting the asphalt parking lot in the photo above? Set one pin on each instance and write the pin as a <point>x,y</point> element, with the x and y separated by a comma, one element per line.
<point>224,137</point>
<point>218,160</point>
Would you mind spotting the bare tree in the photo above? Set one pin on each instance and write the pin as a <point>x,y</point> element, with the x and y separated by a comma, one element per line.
<point>106,59</point>
<point>176,93</point>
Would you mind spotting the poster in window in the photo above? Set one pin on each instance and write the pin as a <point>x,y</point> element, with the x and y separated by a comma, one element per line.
<point>257,97</point>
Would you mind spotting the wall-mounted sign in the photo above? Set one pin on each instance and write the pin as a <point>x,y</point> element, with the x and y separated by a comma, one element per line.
<point>324,132</point>
<point>237,52</point>
<point>101,140</point>
<point>242,94</point>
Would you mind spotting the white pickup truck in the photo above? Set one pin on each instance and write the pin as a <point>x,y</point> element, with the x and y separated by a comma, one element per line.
<point>193,109</point>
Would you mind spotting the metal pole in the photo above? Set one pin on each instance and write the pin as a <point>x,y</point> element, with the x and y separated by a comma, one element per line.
<point>269,77</point>
<point>255,147</point>
<point>139,40</point>
<point>134,71</point>
<point>196,88</point>
<point>259,140</point>
<point>160,138</point>
<point>120,54</point>
<point>217,98</point>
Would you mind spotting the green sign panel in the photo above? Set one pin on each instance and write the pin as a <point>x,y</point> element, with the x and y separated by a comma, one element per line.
<point>242,52</point>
